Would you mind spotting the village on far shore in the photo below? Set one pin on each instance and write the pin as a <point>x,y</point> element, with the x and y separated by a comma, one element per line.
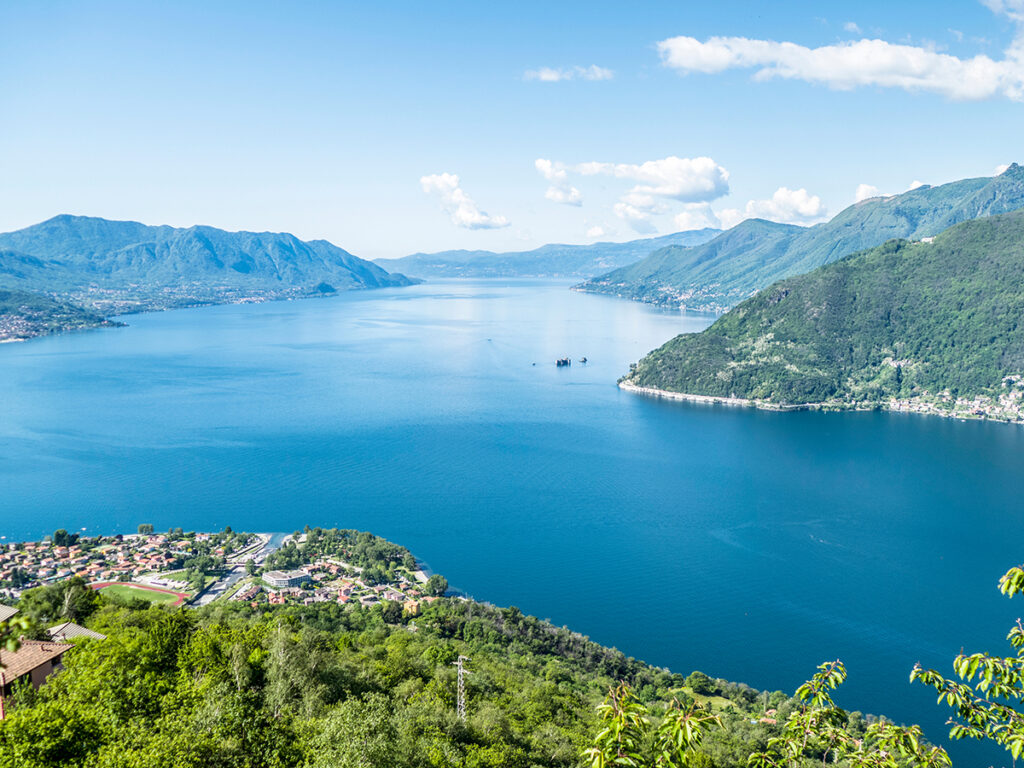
<point>194,568</point>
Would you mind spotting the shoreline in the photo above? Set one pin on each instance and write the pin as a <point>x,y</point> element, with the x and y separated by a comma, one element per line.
<point>740,402</point>
<point>890,407</point>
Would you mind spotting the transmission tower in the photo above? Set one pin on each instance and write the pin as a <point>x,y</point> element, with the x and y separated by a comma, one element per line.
<point>461,701</point>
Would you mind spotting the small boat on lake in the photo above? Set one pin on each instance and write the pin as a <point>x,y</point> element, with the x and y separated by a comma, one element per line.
<point>563,361</point>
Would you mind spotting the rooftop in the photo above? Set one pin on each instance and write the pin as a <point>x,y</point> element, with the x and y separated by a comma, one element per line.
<point>6,612</point>
<point>69,630</point>
<point>33,653</point>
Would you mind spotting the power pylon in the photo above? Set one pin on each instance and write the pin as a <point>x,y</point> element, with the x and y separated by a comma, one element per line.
<point>461,700</point>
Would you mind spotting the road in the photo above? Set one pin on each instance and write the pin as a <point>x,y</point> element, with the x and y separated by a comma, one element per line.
<point>273,542</point>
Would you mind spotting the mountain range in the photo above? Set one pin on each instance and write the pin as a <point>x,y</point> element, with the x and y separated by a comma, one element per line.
<point>68,252</point>
<point>928,326</point>
<point>756,253</point>
<point>552,260</point>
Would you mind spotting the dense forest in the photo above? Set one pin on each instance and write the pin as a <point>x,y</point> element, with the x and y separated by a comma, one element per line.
<point>902,320</point>
<point>327,685</point>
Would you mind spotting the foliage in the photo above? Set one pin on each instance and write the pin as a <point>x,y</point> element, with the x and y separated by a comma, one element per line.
<point>630,736</point>
<point>327,685</point>
<point>69,600</point>
<point>902,320</point>
<point>359,548</point>
<point>821,731</point>
<point>985,709</point>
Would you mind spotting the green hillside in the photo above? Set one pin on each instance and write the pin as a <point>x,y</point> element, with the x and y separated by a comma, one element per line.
<point>905,320</point>
<point>755,254</point>
<point>554,260</point>
<point>24,315</point>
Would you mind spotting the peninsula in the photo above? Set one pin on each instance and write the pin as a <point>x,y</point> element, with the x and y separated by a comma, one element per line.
<point>930,326</point>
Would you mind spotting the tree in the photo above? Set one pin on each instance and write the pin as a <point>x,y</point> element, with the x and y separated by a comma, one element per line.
<point>145,529</point>
<point>819,729</point>
<point>391,612</point>
<point>630,737</point>
<point>61,538</point>
<point>436,585</point>
<point>701,684</point>
<point>251,568</point>
<point>985,708</point>
<point>69,600</point>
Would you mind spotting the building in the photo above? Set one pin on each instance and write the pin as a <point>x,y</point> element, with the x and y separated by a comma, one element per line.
<point>6,612</point>
<point>69,630</point>
<point>34,661</point>
<point>283,579</point>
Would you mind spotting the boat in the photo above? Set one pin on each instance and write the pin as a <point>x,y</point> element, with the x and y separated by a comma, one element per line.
<point>563,361</point>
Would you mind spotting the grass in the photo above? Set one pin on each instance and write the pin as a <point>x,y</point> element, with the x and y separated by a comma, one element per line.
<point>127,592</point>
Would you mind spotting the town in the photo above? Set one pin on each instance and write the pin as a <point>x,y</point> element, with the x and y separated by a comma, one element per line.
<point>353,569</point>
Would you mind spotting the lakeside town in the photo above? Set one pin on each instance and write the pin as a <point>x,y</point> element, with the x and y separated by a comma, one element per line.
<point>196,568</point>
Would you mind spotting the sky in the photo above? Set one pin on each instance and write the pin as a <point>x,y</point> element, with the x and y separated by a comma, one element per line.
<point>397,127</point>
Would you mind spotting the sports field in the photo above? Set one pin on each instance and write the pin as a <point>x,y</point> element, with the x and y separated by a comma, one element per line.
<point>128,591</point>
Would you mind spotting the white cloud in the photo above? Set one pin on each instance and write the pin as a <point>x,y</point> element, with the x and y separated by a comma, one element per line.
<point>852,27</point>
<point>699,179</point>
<point>914,185</point>
<point>849,65</point>
<point>696,216</point>
<point>1001,169</point>
<point>792,206</point>
<point>637,218</point>
<point>552,75</point>
<point>560,191</point>
<point>788,206</point>
<point>596,231</point>
<point>457,204</point>
<point>865,191</point>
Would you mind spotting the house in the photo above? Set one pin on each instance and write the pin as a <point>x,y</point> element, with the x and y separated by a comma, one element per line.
<point>282,579</point>
<point>34,661</point>
<point>69,630</point>
<point>6,612</point>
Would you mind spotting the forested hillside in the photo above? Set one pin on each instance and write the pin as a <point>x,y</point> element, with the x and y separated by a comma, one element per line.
<point>330,686</point>
<point>755,254</point>
<point>903,321</point>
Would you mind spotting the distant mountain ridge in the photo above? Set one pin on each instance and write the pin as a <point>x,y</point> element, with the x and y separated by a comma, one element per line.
<point>924,326</point>
<point>75,251</point>
<point>553,260</point>
<point>104,267</point>
<point>755,253</point>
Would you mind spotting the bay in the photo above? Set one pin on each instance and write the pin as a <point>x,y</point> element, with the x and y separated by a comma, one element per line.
<point>751,545</point>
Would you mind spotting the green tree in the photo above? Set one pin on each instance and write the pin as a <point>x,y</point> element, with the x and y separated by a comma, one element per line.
<point>145,528</point>
<point>69,600</point>
<point>986,687</point>
<point>391,612</point>
<point>629,736</point>
<point>436,585</point>
<point>701,684</point>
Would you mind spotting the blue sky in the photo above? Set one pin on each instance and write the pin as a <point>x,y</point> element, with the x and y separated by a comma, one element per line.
<point>350,121</point>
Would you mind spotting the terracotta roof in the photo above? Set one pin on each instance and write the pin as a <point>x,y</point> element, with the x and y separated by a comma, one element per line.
<point>6,612</point>
<point>33,653</point>
<point>69,629</point>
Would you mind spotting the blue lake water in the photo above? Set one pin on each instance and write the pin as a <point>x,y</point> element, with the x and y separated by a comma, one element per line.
<point>751,545</point>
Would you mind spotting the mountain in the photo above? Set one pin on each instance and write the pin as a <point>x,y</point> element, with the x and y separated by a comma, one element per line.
<point>929,326</point>
<point>74,252</point>
<point>754,254</point>
<point>546,261</point>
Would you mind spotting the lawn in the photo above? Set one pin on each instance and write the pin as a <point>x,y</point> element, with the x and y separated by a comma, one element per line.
<point>129,591</point>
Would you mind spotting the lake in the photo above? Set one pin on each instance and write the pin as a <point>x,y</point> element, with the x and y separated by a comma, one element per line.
<point>751,545</point>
